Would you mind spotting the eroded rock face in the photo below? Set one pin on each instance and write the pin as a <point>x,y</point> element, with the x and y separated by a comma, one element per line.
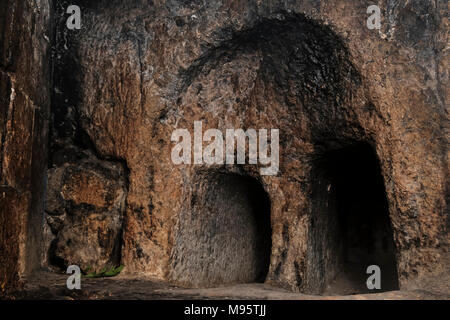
<point>25,88</point>
<point>85,205</point>
<point>139,70</point>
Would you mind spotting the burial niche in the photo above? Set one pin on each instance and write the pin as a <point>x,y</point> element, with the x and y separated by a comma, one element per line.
<point>226,235</point>
<point>351,228</point>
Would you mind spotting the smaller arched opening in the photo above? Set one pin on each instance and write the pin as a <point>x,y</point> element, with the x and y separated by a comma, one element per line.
<point>226,236</point>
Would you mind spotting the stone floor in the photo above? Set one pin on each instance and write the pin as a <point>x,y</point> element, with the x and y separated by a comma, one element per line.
<point>52,286</point>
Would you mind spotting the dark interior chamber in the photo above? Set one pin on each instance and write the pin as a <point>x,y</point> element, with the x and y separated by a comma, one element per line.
<point>351,227</point>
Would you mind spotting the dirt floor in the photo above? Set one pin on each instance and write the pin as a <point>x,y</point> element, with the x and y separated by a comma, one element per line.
<point>52,286</point>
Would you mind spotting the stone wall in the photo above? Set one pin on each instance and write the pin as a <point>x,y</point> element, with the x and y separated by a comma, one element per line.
<point>25,37</point>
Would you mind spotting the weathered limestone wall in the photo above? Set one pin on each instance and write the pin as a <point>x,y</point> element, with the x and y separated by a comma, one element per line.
<point>140,69</point>
<point>25,35</point>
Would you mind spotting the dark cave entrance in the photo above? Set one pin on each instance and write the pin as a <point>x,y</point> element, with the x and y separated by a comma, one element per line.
<point>227,236</point>
<point>356,220</point>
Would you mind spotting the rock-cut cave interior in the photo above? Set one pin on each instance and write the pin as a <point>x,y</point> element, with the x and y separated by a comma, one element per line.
<point>86,176</point>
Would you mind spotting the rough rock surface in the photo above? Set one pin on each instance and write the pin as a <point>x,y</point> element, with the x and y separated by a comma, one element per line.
<point>312,69</point>
<point>25,79</point>
<point>85,205</point>
<point>138,70</point>
<point>226,236</point>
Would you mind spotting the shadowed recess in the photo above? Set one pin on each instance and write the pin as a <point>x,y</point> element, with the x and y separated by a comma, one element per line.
<point>351,224</point>
<point>226,236</point>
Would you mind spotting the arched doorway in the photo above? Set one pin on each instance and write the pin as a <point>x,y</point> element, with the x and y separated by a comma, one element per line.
<point>351,224</point>
<point>226,236</point>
